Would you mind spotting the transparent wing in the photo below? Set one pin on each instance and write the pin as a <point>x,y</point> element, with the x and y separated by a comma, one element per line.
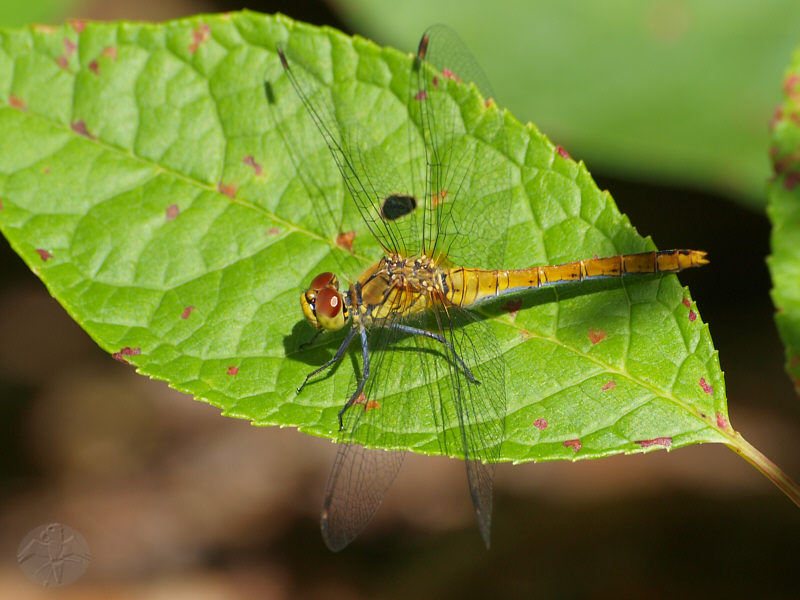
<point>464,383</point>
<point>469,179</point>
<point>477,407</point>
<point>356,485</point>
<point>426,144</point>
<point>373,149</point>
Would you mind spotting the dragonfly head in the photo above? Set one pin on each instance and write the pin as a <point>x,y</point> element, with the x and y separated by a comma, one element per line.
<point>322,303</point>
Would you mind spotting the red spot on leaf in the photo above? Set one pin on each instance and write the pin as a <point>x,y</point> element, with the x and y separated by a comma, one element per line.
<point>228,190</point>
<point>122,355</point>
<point>540,424</point>
<point>367,404</point>
<point>574,444</point>
<point>596,336</point>
<point>439,198</point>
<point>665,441</point>
<point>420,95</point>
<point>172,211</point>
<point>1,204</point>
<point>524,334</point>
<point>790,86</point>
<point>345,240</point>
<point>15,102</point>
<point>435,81</point>
<point>232,370</point>
<point>450,75</point>
<point>69,47</point>
<point>692,315</point>
<point>62,62</point>
<point>199,36</point>
<point>79,127</point>
<point>110,52</point>
<point>707,388</point>
<point>78,25</point>
<point>563,152</point>
<point>610,385</point>
<point>722,422</point>
<point>488,102</point>
<point>249,160</point>
<point>686,302</point>
<point>512,307</point>
<point>44,254</point>
<point>273,231</point>
<point>94,67</point>
<point>187,311</point>
<point>46,170</point>
<point>791,180</point>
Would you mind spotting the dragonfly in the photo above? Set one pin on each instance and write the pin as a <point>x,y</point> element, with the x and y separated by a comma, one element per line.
<point>439,214</point>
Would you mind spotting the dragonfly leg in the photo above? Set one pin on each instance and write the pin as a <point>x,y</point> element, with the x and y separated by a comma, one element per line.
<point>305,345</point>
<point>438,338</point>
<point>364,376</point>
<point>337,357</point>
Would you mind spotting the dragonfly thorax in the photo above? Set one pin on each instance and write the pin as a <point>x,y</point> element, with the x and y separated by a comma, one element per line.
<point>323,304</point>
<point>397,286</point>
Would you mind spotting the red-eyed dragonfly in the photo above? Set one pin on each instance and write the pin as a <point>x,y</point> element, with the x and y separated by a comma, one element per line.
<point>440,215</point>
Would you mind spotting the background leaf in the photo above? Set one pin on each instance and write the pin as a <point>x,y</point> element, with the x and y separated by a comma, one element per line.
<point>784,212</point>
<point>16,14</point>
<point>671,91</point>
<point>144,180</point>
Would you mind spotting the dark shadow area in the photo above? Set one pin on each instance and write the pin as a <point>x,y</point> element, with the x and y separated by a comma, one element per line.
<point>310,11</point>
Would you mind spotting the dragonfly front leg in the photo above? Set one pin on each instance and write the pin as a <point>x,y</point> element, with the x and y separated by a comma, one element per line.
<point>337,357</point>
<point>438,338</point>
<point>364,376</point>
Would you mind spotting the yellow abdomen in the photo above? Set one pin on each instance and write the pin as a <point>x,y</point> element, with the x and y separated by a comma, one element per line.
<point>466,286</point>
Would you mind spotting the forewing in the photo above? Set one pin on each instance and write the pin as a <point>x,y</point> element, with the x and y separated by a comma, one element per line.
<point>368,133</point>
<point>361,475</point>
<point>463,381</point>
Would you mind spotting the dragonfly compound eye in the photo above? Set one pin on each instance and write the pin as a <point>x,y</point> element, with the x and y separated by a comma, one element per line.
<point>324,280</point>
<point>330,309</point>
<point>308,300</point>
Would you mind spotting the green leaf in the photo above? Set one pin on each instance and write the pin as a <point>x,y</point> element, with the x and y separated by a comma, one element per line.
<point>677,91</point>
<point>784,212</point>
<point>145,179</point>
<point>15,14</point>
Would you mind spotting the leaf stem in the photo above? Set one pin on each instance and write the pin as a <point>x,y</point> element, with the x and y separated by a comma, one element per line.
<point>769,469</point>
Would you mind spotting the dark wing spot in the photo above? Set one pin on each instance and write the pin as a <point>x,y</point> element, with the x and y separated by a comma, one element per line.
<point>269,92</point>
<point>397,205</point>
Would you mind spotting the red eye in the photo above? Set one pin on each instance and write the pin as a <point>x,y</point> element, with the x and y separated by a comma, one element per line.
<point>329,303</point>
<point>321,281</point>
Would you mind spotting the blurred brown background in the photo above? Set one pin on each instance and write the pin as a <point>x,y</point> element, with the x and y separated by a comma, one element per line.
<point>178,502</point>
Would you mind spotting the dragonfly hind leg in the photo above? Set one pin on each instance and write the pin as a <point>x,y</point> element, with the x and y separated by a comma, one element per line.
<point>440,339</point>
